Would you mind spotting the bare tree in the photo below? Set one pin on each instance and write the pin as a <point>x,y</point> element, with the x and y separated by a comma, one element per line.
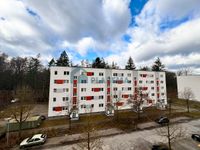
<point>188,95</point>
<point>89,135</point>
<point>171,132</point>
<point>137,100</point>
<point>21,110</point>
<point>184,71</point>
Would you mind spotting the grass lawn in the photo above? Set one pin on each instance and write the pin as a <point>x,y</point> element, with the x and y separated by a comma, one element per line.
<point>182,103</point>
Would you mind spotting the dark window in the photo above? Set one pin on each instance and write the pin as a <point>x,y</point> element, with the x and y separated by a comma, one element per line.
<point>54,99</point>
<point>56,72</point>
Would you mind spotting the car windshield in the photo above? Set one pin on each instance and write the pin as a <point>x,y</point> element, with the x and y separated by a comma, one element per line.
<point>43,136</point>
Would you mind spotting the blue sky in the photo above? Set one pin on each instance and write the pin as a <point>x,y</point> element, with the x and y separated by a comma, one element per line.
<point>113,29</point>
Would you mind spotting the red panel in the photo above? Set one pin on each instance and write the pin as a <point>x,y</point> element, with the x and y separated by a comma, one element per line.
<point>144,75</point>
<point>58,108</point>
<point>119,103</point>
<point>96,89</point>
<point>119,81</point>
<point>59,81</point>
<point>74,90</point>
<point>150,101</point>
<point>74,100</point>
<point>158,89</point>
<point>144,88</point>
<point>108,90</point>
<point>135,82</point>
<point>88,98</point>
<point>75,81</point>
<point>125,96</point>
<point>158,95</point>
<point>90,73</point>
<point>108,98</point>
<point>108,82</point>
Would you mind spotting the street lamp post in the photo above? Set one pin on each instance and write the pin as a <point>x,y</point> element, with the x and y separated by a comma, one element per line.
<point>8,129</point>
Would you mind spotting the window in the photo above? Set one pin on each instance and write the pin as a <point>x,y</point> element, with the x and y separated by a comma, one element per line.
<point>114,74</point>
<point>128,81</point>
<point>115,89</point>
<point>83,106</point>
<point>135,78</point>
<point>152,94</point>
<point>152,81</point>
<point>161,81</point>
<point>55,90</point>
<point>140,81</point>
<point>115,96</point>
<point>152,88</point>
<point>162,87</point>
<point>100,81</point>
<point>129,88</point>
<point>55,72</point>
<point>122,74</point>
<point>161,75</point>
<point>101,97</point>
<point>100,74</point>
<point>92,105</point>
<point>100,105</point>
<point>83,89</point>
<point>129,74</point>
<point>162,94</point>
<point>66,72</point>
<point>64,108</point>
<point>83,81</point>
<point>54,99</point>
<point>83,98</point>
<point>65,98</point>
<point>75,77</point>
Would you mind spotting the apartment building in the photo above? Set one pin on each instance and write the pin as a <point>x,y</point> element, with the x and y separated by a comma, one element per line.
<point>93,89</point>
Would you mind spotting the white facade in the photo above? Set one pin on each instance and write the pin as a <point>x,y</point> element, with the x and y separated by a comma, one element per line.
<point>81,87</point>
<point>191,82</point>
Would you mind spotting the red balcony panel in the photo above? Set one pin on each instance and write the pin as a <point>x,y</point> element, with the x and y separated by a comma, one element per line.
<point>96,89</point>
<point>135,83</point>
<point>108,90</point>
<point>74,100</point>
<point>119,103</point>
<point>57,108</point>
<point>125,96</point>
<point>158,88</point>
<point>158,95</point>
<point>74,90</point>
<point>59,81</point>
<point>90,73</point>
<point>108,82</point>
<point>75,81</point>
<point>88,98</point>
<point>150,101</point>
<point>144,88</point>
<point>108,98</point>
<point>119,81</point>
<point>144,75</point>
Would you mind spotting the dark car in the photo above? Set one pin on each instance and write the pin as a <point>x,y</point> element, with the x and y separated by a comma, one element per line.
<point>162,120</point>
<point>196,137</point>
<point>159,147</point>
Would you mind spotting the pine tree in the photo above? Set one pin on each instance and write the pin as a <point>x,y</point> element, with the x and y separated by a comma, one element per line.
<point>99,63</point>
<point>158,66</point>
<point>63,60</point>
<point>130,64</point>
<point>52,62</point>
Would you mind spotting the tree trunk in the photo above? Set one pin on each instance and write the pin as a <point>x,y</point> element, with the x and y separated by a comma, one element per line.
<point>168,136</point>
<point>188,107</point>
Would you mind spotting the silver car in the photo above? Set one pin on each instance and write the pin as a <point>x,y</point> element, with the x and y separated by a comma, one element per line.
<point>36,139</point>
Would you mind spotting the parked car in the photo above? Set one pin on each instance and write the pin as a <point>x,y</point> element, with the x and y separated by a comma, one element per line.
<point>36,139</point>
<point>196,137</point>
<point>159,147</point>
<point>162,120</point>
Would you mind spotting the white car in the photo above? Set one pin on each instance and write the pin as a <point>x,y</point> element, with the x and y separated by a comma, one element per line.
<point>36,139</point>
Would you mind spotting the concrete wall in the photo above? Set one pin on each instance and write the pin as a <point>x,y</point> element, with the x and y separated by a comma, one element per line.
<point>192,82</point>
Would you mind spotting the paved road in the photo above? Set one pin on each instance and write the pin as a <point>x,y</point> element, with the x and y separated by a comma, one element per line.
<point>140,140</point>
